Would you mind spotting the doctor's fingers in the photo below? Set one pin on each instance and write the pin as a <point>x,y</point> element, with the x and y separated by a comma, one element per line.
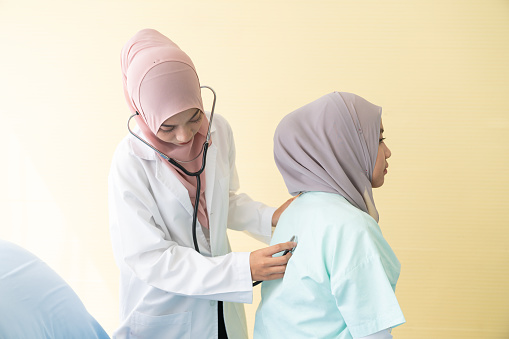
<point>263,265</point>
<point>273,276</point>
<point>269,251</point>
<point>278,261</point>
<point>271,272</point>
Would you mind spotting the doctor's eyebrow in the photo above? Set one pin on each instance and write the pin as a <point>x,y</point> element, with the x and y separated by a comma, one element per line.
<point>381,130</point>
<point>194,116</point>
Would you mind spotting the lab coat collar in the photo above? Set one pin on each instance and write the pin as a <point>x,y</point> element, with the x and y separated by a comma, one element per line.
<point>138,148</point>
<point>142,151</point>
<point>180,192</point>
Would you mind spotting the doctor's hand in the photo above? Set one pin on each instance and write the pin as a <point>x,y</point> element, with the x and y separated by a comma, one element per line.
<point>280,210</point>
<point>265,267</point>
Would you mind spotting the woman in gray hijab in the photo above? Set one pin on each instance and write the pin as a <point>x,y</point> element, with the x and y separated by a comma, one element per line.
<point>341,279</point>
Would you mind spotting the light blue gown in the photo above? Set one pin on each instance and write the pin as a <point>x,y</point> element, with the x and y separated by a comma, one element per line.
<point>341,279</point>
<point>35,302</point>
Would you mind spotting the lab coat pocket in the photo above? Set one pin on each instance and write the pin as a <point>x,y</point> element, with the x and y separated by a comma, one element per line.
<point>169,326</point>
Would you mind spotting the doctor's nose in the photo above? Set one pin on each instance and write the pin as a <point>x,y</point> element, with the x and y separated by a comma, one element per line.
<point>184,135</point>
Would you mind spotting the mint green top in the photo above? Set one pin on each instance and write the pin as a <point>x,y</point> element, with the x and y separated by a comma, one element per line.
<point>341,279</point>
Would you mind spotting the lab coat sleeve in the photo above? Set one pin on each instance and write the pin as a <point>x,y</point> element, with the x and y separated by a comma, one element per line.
<point>245,214</point>
<point>149,251</point>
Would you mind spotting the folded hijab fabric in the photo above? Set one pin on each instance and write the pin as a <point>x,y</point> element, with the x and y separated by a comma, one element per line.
<point>331,145</point>
<point>160,81</point>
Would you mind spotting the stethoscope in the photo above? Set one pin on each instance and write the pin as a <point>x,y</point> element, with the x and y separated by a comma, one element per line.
<point>177,164</point>
<point>196,174</point>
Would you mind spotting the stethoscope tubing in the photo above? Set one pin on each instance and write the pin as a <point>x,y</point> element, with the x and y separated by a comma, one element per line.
<point>175,163</point>
<point>182,168</point>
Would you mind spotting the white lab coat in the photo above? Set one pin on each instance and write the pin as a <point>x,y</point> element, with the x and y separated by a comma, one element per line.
<point>167,289</point>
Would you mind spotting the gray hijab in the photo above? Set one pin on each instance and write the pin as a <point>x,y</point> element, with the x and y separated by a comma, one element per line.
<point>330,145</point>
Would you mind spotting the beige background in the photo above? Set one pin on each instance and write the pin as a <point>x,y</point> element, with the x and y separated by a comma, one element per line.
<point>440,70</point>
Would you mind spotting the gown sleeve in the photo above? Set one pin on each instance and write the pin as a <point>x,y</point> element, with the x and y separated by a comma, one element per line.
<point>364,288</point>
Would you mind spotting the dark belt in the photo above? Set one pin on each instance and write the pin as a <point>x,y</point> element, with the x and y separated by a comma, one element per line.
<point>221,327</point>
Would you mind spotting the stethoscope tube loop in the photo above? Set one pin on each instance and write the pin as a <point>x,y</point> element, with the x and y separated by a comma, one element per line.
<point>175,163</point>
<point>205,147</point>
<point>211,112</point>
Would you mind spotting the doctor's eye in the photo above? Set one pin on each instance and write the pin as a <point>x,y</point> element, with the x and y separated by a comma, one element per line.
<point>167,130</point>
<point>381,140</point>
<point>197,119</point>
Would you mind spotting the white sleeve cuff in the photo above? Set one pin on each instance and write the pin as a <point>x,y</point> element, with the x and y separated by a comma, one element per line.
<point>384,334</point>
<point>267,220</point>
<point>244,276</point>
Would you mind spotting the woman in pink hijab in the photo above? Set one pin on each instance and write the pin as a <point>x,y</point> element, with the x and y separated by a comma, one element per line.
<point>167,288</point>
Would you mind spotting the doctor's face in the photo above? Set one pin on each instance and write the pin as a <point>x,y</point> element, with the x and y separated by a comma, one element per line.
<point>180,128</point>
<point>381,163</point>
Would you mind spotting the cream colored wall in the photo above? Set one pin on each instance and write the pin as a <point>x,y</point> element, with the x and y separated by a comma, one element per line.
<point>439,69</point>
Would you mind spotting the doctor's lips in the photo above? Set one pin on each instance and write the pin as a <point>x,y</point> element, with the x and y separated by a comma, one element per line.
<point>185,143</point>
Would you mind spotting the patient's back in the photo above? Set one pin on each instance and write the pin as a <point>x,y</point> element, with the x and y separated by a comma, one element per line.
<point>340,280</point>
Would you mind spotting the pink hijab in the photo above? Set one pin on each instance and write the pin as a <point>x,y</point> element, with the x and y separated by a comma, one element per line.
<point>331,145</point>
<point>160,81</point>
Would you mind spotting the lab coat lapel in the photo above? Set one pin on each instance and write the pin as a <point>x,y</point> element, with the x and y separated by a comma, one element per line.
<point>174,185</point>
<point>171,182</point>
<point>210,175</point>
<point>210,172</point>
